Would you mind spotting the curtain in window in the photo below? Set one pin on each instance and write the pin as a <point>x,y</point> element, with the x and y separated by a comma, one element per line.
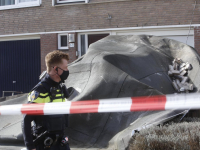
<point>26,1</point>
<point>7,2</point>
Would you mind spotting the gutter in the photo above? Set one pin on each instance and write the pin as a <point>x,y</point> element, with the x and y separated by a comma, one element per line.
<point>106,29</point>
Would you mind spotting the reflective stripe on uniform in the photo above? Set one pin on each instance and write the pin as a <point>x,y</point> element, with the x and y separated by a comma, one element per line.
<point>40,99</point>
<point>58,95</point>
<point>44,94</point>
<point>59,100</point>
<point>46,98</point>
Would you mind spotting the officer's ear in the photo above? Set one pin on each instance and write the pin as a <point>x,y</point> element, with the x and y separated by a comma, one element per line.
<point>55,68</point>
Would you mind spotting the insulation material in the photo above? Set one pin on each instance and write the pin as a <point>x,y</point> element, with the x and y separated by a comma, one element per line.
<point>178,73</point>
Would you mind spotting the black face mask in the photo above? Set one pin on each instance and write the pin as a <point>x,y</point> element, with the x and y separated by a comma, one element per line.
<point>64,75</point>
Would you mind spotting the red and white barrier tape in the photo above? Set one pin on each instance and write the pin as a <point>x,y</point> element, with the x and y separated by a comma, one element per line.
<point>161,102</point>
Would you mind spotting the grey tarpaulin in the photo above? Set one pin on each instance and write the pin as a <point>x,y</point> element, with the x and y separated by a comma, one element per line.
<point>116,66</point>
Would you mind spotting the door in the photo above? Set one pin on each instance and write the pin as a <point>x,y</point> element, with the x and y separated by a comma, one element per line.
<point>20,65</point>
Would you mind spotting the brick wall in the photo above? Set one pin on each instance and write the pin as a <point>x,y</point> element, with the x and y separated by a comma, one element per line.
<point>197,39</point>
<point>127,13</point>
<point>49,42</point>
<point>130,13</point>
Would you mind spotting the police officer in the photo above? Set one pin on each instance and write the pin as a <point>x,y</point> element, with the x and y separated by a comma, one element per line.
<point>47,132</point>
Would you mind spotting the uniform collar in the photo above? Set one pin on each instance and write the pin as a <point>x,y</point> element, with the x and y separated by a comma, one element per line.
<point>50,81</point>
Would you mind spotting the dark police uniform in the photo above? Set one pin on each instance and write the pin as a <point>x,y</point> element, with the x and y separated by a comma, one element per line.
<point>46,132</point>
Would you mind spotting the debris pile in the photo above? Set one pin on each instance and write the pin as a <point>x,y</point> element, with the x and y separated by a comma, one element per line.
<point>178,72</point>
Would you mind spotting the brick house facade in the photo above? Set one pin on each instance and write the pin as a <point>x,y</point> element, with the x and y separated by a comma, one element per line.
<point>93,15</point>
<point>47,19</point>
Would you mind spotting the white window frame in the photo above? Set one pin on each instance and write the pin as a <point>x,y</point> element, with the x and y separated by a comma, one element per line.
<point>86,39</point>
<point>59,42</point>
<point>21,5</point>
<point>72,1</point>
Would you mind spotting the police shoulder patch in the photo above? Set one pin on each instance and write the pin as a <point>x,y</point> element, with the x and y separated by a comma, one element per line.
<point>34,95</point>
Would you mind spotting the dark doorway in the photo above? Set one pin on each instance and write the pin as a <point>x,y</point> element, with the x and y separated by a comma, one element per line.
<point>20,65</point>
<point>95,37</point>
<point>87,39</point>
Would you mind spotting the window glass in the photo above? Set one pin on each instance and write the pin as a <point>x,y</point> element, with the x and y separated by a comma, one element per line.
<point>7,2</point>
<point>83,50</point>
<point>26,0</point>
<point>63,40</point>
<point>12,4</point>
<point>69,1</point>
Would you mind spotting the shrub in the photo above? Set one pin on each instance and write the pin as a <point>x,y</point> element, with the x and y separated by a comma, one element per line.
<point>171,136</point>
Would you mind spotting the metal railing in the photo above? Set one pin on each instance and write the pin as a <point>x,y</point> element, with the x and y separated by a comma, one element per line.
<point>11,92</point>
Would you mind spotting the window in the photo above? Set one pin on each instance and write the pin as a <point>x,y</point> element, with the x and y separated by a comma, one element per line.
<point>72,1</point>
<point>11,4</point>
<point>7,2</point>
<point>63,41</point>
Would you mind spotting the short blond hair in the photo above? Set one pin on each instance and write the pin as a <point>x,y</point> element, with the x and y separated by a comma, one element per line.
<point>55,58</point>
